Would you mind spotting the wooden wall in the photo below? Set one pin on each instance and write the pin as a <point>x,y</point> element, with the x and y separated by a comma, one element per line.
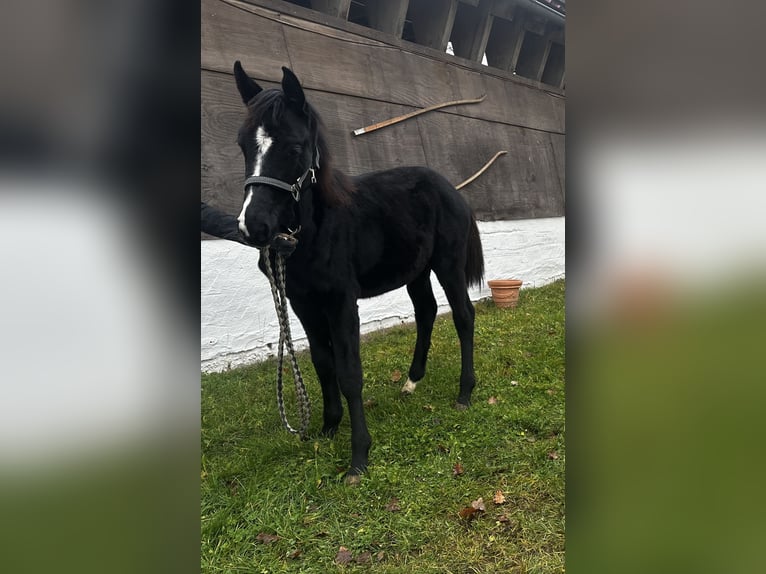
<point>355,77</point>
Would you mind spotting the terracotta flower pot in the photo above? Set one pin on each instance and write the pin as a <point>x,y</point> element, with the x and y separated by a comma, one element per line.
<point>505,292</point>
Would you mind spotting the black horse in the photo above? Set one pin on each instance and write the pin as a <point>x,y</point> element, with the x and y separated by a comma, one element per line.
<point>359,237</point>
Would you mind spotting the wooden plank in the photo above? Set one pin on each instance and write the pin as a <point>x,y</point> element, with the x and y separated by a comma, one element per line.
<point>559,152</point>
<point>522,184</point>
<point>230,34</point>
<point>356,83</point>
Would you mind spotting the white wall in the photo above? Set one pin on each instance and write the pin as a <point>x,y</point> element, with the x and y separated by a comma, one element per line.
<point>239,324</point>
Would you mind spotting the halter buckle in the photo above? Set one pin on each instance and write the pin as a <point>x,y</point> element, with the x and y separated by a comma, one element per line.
<point>313,175</point>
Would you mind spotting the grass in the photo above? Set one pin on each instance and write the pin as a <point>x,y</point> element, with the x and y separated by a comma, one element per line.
<point>271,503</point>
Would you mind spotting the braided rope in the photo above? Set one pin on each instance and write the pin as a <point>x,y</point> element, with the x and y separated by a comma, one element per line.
<point>277,284</point>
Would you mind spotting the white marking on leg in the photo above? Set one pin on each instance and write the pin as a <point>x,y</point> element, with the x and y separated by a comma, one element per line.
<point>264,141</point>
<point>241,218</point>
<point>409,387</point>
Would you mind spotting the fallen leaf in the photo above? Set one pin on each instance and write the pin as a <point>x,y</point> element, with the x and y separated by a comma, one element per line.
<point>499,497</point>
<point>492,400</point>
<point>380,555</point>
<point>478,504</point>
<point>553,455</point>
<point>442,448</point>
<point>363,558</point>
<point>551,392</point>
<point>429,408</point>
<point>343,556</point>
<point>267,538</point>
<point>396,376</point>
<point>457,470</point>
<point>468,513</point>
<point>393,505</point>
<point>369,403</point>
<point>294,554</point>
<point>503,518</point>
<point>514,383</point>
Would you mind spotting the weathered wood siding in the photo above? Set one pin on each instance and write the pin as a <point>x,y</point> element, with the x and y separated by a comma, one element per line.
<point>355,80</point>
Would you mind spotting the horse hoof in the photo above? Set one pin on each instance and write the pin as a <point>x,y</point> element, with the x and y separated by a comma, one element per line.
<point>409,387</point>
<point>352,479</point>
<point>461,406</point>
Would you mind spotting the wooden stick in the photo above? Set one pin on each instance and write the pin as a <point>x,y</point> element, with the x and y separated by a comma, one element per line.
<point>398,119</point>
<point>482,170</point>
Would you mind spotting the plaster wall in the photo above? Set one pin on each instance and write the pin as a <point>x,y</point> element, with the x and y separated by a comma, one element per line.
<point>239,324</point>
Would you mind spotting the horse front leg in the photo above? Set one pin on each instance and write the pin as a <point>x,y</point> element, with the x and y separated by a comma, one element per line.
<point>343,317</point>
<point>317,329</point>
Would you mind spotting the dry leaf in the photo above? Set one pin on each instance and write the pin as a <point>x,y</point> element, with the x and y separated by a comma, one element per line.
<point>380,555</point>
<point>363,558</point>
<point>267,538</point>
<point>369,403</point>
<point>514,383</point>
<point>503,518</point>
<point>551,392</point>
<point>478,504</point>
<point>553,455</point>
<point>492,400</point>
<point>294,554</point>
<point>457,470</point>
<point>429,408</point>
<point>343,556</point>
<point>468,513</point>
<point>393,505</point>
<point>499,497</point>
<point>396,376</point>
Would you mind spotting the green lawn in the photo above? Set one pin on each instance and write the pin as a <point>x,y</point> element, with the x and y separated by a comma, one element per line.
<point>271,503</point>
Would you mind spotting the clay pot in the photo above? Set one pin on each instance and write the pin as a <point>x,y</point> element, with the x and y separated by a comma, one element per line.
<point>505,292</point>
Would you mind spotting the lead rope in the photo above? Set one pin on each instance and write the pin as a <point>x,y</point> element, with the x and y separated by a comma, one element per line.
<point>277,283</point>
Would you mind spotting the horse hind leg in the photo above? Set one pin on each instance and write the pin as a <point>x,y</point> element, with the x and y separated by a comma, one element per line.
<point>463,314</point>
<point>423,300</point>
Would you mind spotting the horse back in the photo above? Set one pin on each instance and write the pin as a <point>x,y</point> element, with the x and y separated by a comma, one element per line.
<point>403,217</point>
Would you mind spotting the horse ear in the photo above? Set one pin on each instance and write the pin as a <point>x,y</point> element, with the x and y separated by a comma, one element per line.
<point>247,87</point>
<point>292,89</point>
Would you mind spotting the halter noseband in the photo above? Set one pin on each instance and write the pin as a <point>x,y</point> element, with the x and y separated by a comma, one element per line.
<point>294,189</point>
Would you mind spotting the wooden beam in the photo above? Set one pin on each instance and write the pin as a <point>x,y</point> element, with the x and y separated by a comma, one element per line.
<point>543,59</point>
<point>432,22</point>
<point>337,8</point>
<point>470,32</point>
<point>504,9</point>
<point>388,15</point>
<point>518,33</point>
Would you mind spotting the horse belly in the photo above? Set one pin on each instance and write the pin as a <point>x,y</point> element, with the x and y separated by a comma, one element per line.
<point>394,268</point>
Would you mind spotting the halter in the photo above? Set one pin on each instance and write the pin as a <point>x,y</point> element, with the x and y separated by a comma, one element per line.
<point>294,189</point>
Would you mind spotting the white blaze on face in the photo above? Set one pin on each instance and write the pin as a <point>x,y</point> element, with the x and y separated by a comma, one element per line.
<point>263,142</point>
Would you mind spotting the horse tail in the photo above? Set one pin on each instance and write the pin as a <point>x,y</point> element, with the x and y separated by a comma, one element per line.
<point>474,263</point>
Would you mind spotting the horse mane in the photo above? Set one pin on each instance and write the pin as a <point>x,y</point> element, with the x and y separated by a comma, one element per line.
<point>335,188</point>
